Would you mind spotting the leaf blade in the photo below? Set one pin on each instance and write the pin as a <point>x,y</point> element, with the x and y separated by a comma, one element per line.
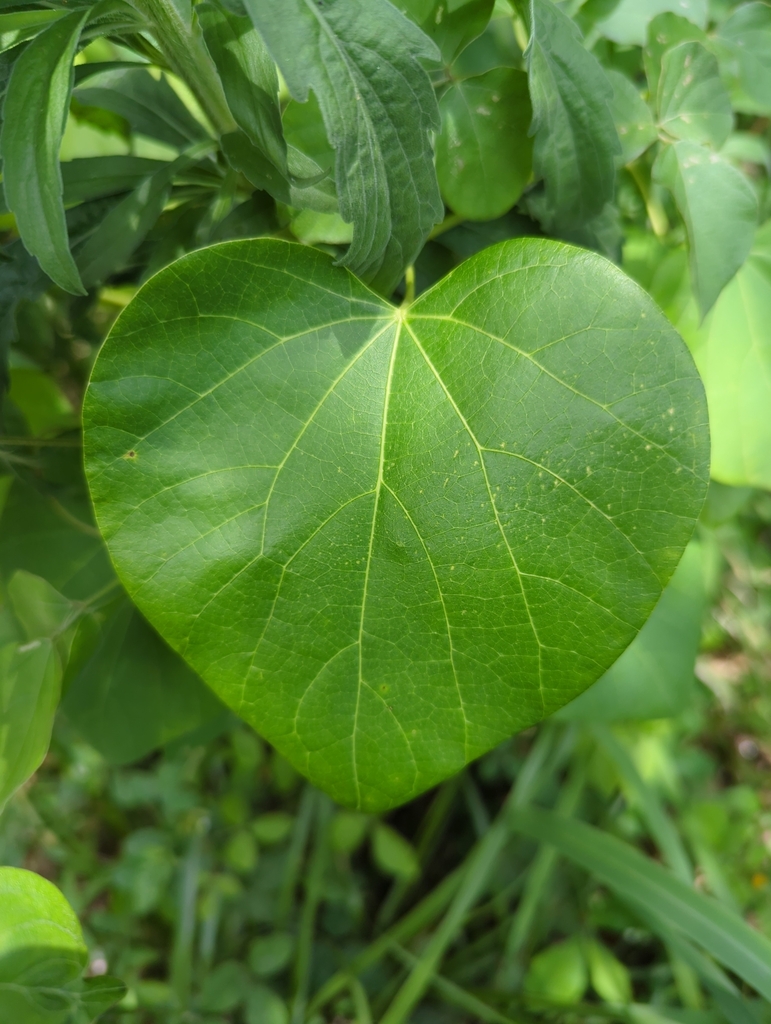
<point>35,114</point>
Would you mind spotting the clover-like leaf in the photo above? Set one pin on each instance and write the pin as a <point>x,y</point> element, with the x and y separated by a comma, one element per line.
<point>389,538</point>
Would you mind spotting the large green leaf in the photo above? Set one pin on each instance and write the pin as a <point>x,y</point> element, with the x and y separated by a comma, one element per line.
<point>654,677</point>
<point>575,138</point>
<point>42,957</point>
<point>641,881</point>
<point>484,155</point>
<point>629,20</point>
<point>93,177</point>
<point>390,538</point>
<point>363,64</point>
<point>746,36</point>
<point>692,102</point>
<point>34,117</point>
<point>720,211</point>
<point>733,353</point>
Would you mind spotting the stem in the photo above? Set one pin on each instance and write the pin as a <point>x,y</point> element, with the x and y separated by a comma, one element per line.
<point>452,220</point>
<point>409,285</point>
<point>656,213</point>
<point>313,893</point>
<point>182,44</point>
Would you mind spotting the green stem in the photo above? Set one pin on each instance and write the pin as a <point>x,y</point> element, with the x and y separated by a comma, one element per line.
<point>182,44</point>
<point>656,212</point>
<point>409,285</point>
<point>452,220</point>
<point>313,893</point>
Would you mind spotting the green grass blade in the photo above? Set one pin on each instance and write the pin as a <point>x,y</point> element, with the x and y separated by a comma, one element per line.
<point>643,882</point>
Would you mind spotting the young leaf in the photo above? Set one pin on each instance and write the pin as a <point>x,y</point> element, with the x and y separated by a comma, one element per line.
<point>746,34</point>
<point>610,978</point>
<point>30,681</point>
<point>30,678</point>
<point>641,881</point>
<point>390,538</point>
<point>664,32</point>
<point>131,694</point>
<point>693,103</point>
<point>733,353</point>
<point>557,975</point>
<point>452,24</point>
<point>575,139</point>
<point>628,22</point>
<point>42,955</point>
<point>363,64</point>
<point>653,678</point>
<point>632,117</point>
<point>34,117</point>
<point>484,155</point>
<point>719,208</point>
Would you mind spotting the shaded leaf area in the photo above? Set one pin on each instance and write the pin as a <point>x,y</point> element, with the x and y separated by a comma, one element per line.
<point>395,471</point>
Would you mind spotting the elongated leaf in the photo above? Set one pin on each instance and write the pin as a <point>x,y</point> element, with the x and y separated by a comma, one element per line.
<point>20,25</point>
<point>93,177</point>
<point>30,681</point>
<point>643,882</point>
<point>452,24</point>
<point>110,246</point>
<point>363,64</point>
<point>390,539</point>
<point>131,694</point>
<point>733,353</point>
<point>719,208</point>
<point>484,155</point>
<point>629,21</point>
<point>248,77</point>
<point>632,117</point>
<point>654,677</point>
<point>42,955</point>
<point>746,34</point>
<point>30,678</point>
<point>149,105</point>
<point>693,103</point>
<point>575,138</point>
<point>35,114</point>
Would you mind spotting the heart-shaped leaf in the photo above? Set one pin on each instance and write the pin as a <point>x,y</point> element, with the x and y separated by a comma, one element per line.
<point>389,538</point>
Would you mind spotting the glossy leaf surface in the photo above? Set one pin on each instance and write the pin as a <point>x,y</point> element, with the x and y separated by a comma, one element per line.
<point>484,155</point>
<point>575,139</point>
<point>389,540</point>
<point>34,116</point>
<point>379,108</point>
<point>733,353</point>
<point>719,208</point>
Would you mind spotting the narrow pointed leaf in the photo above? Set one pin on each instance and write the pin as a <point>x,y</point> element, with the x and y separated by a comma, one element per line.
<point>34,118</point>
<point>640,880</point>
<point>720,211</point>
<point>363,64</point>
<point>389,540</point>
<point>575,138</point>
